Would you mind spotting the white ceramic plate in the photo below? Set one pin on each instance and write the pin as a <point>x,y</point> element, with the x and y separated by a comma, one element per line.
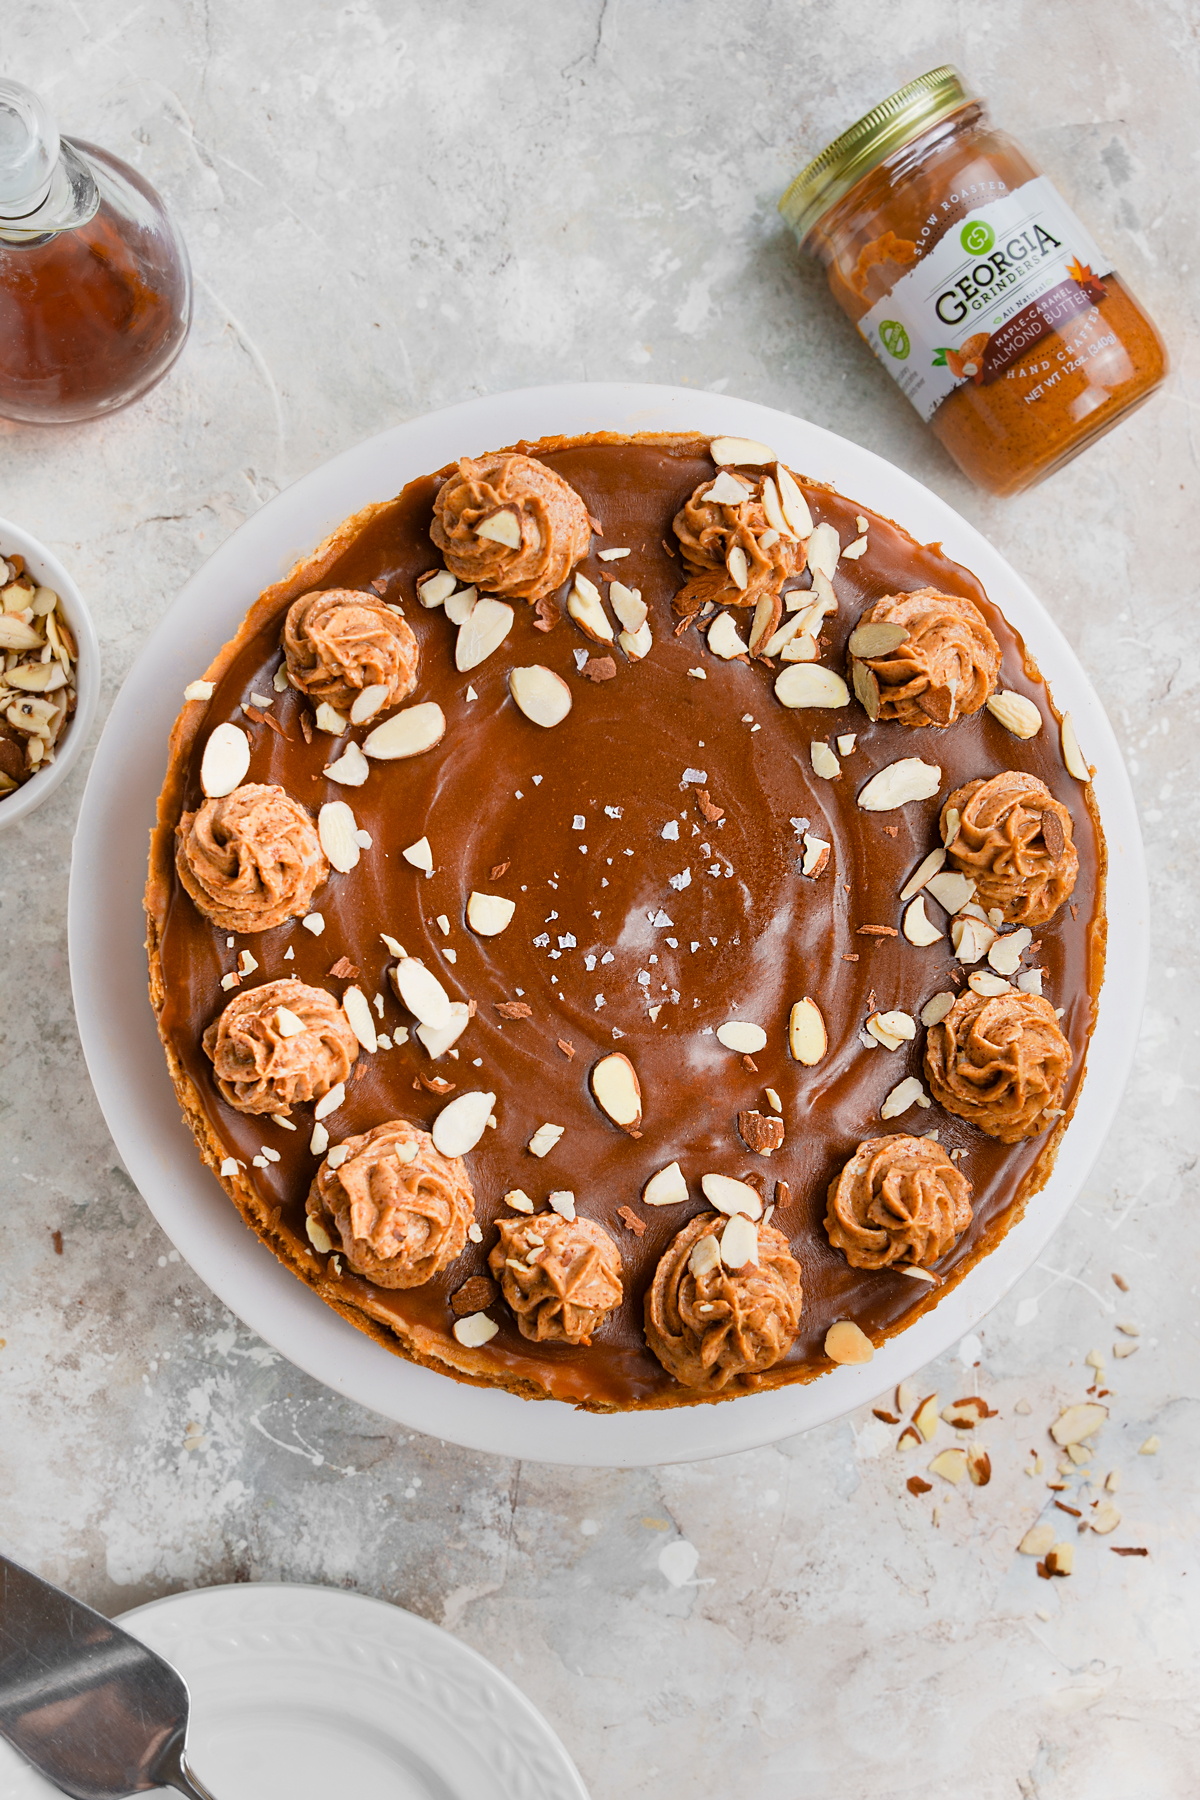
<point>108,965</point>
<point>308,1693</point>
<point>47,571</point>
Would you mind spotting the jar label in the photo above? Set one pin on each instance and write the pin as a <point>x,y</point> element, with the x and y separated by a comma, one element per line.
<point>999,280</point>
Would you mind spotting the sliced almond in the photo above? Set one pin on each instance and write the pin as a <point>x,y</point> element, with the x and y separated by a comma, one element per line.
<point>824,548</point>
<point>951,890</point>
<point>489,914</point>
<point>951,1465</point>
<point>876,638</point>
<point>329,720</point>
<point>1060,1559</point>
<point>953,819</point>
<point>791,628</point>
<point>809,684</point>
<point>225,761</point>
<point>852,552</point>
<point>923,873</point>
<point>793,503</point>
<point>330,1102</point>
<point>899,1026</point>
<point>460,1124</point>
<point>318,1237</point>
<point>773,510</point>
<point>925,1418</point>
<point>357,1010</point>
<point>727,490</point>
<point>1072,755</point>
<point>866,689</point>
<point>972,938</point>
<point>723,639</point>
<point>706,1255</point>
<point>368,703</point>
<point>436,587</point>
<point>807,1038</point>
<point>350,769</point>
<point>337,829</point>
<point>1106,1518</point>
<point>519,1200</point>
<point>1016,713</point>
<point>419,989</point>
<point>908,1092</point>
<point>587,609</point>
<point>802,648</point>
<point>1006,953</point>
<point>909,1439</point>
<point>544,1139</point>
<point>982,981</point>
<point>846,1343</point>
<point>486,628</point>
<point>899,783</point>
<point>739,1243</point>
<point>1077,1423</point>
<point>918,928</point>
<point>617,1090</point>
<point>816,855</point>
<point>1037,1540</point>
<point>760,629</point>
<point>666,1188</point>
<point>730,1196</point>
<point>562,1201</point>
<point>501,528</point>
<point>15,634</point>
<point>420,855</point>
<point>287,1023</point>
<point>744,452</point>
<point>198,690</point>
<point>824,762</point>
<point>542,696</point>
<point>438,1041</point>
<point>739,569</point>
<point>627,603</point>
<point>409,732</point>
<point>460,606</point>
<point>637,644</point>
<point>740,1035</point>
<point>476,1329</point>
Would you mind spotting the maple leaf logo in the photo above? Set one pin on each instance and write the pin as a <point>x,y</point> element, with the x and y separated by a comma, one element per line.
<point>1080,272</point>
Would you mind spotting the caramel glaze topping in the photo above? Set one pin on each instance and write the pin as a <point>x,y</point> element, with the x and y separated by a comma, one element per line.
<point>765,934</point>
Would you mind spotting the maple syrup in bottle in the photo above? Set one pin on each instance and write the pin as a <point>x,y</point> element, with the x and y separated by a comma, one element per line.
<point>95,286</point>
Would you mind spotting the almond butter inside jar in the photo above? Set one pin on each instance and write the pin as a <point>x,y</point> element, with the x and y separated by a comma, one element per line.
<point>978,289</point>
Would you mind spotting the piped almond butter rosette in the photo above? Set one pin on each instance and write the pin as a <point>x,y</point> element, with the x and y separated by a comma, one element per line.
<point>710,1324</point>
<point>561,1277</point>
<point>340,644</point>
<point>278,1046</point>
<point>898,1200</point>
<point>251,859</point>
<point>398,1207</point>
<point>734,551</point>
<point>1015,841</point>
<point>923,659</point>
<point>509,525</point>
<point>1000,1063</point>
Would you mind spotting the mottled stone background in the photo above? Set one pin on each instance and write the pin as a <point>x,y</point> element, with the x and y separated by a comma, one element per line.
<point>391,206</point>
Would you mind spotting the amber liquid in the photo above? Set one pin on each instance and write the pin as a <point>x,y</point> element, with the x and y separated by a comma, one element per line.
<point>89,318</point>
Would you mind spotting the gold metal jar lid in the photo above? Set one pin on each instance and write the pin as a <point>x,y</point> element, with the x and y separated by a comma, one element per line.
<point>894,122</point>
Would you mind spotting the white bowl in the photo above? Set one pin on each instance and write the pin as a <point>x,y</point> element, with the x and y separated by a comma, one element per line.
<point>108,960</point>
<point>46,569</point>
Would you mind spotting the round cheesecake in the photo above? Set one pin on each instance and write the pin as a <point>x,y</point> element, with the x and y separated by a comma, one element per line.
<point>620,911</point>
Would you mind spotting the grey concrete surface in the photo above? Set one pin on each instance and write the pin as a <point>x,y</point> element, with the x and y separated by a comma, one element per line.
<point>391,206</point>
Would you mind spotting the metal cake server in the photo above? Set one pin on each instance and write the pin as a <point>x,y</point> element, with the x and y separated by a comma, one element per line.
<point>94,1710</point>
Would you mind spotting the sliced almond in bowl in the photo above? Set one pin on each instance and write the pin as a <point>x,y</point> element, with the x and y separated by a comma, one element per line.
<point>337,829</point>
<point>618,1091</point>
<point>225,761</point>
<point>810,684</point>
<point>482,632</point>
<point>489,914</point>
<point>730,1196</point>
<point>541,695</point>
<point>462,1122</point>
<point>807,1038</point>
<point>409,732</point>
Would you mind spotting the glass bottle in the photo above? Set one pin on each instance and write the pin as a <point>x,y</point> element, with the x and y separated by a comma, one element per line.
<point>95,286</point>
<point>982,294</point>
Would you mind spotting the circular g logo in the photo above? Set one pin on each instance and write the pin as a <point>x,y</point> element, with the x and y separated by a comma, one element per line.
<point>977,237</point>
<point>894,338</point>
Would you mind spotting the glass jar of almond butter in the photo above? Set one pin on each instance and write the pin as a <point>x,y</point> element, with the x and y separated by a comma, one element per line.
<point>981,293</point>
